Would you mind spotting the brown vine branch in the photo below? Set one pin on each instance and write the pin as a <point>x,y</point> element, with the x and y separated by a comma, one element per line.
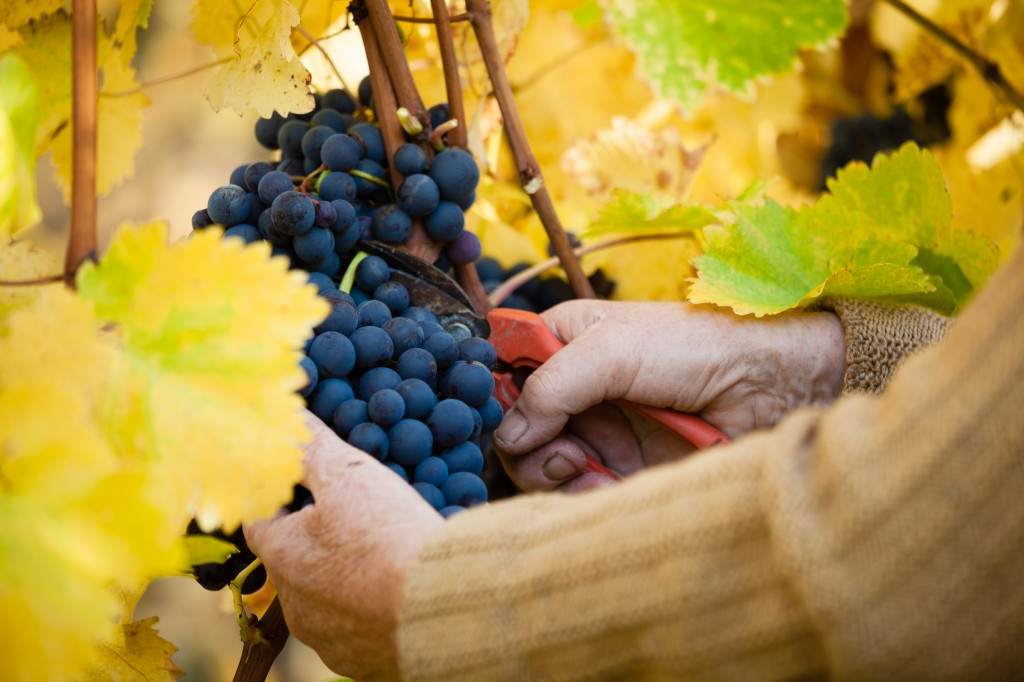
<point>469,278</point>
<point>49,279</point>
<point>429,20</point>
<point>988,69</point>
<point>85,87</point>
<point>449,63</point>
<point>390,46</point>
<point>529,171</point>
<point>257,658</point>
<point>506,288</point>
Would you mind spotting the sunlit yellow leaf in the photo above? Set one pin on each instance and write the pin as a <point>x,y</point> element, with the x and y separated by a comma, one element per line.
<point>265,73</point>
<point>137,654</point>
<point>20,261</point>
<point>17,13</point>
<point>19,118</point>
<point>211,331</point>
<point>207,549</point>
<point>8,38</point>
<point>46,51</point>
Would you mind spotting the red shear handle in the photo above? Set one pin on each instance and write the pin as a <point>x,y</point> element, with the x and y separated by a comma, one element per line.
<point>691,427</point>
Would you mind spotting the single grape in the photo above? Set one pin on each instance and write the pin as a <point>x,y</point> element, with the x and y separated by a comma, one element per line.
<point>443,348</point>
<point>238,176</point>
<point>367,189</point>
<point>289,138</point>
<point>479,350</point>
<point>464,489</point>
<point>339,100</point>
<point>272,184</point>
<point>418,363</point>
<point>254,172</point>
<point>313,140</point>
<point>228,205</point>
<point>326,214</point>
<point>247,233</point>
<point>372,141</point>
<point>373,347</point>
<point>348,415</point>
<point>333,354</point>
<point>409,159</point>
<point>336,186</point>
<point>418,396</point>
<point>314,245</point>
<point>472,383</point>
<point>491,414</point>
<point>328,395</point>
<point>331,119</point>
<point>376,379</point>
<point>438,114</point>
<point>293,212</point>
<point>373,313</point>
<point>451,422</point>
<point>391,224</point>
<point>398,469</point>
<point>455,173</point>
<point>430,328</point>
<point>464,249</point>
<point>465,456</point>
<point>312,376</point>
<point>342,318</point>
<point>446,222</point>
<point>371,272</point>
<point>404,333</point>
<point>329,266</point>
<point>432,470</point>
<point>430,493</point>
<point>365,91</point>
<point>419,314</point>
<point>321,282</point>
<point>370,438</point>
<point>341,152</point>
<point>267,129</point>
<point>394,295</point>
<point>385,407</point>
<point>410,442</point>
<point>201,219</point>
<point>418,195</point>
<point>450,511</point>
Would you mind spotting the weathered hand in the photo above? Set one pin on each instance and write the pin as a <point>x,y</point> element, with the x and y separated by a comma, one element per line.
<point>738,373</point>
<point>340,565</point>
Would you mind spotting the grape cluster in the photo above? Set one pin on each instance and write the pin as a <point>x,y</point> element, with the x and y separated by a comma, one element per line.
<point>538,293</point>
<point>214,576</point>
<point>394,382</point>
<point>385,374</point>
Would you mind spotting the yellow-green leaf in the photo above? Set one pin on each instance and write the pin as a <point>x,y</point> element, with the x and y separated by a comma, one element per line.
<point>634,213</point>
<point>20,261</point>
<point>206,549</point>
<point>16,14</point>
<point>265,73</point>
<point>212,332</point>
<point>137,654</point>
<point>882,232</point>
<point>19,118</point>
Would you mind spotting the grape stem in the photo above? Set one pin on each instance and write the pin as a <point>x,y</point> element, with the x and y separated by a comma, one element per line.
<point>506,288</point>
<point>82,242</point>
<point>306,179</point>
<point>393,55</point>
<point>529,171</point>
<point>257,658</point>
<point>988,69</point>
<point>450,66</point>
<point>429,20</point>
<point>49,279</point>
<point>438,133</point>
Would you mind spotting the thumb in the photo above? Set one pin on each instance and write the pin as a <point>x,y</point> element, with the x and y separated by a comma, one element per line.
<point>590,369</point>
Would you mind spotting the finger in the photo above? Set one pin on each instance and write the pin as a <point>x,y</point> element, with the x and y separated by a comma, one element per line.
<point>263,537</point>
<point>547,467</point>
<point>592,368</point>
<point>570,319</point>
<point>327,457</point>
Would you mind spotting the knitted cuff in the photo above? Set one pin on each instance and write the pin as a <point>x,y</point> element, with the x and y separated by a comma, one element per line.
<point>879,336</point>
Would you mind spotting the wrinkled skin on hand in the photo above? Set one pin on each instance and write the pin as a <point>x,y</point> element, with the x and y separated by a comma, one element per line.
<point>340,565</point>
<point>738,373</point>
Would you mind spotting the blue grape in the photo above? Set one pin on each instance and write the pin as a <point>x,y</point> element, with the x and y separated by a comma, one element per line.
<point>409,159</point>
<point>478,350</point>
<point>432,470</point>
<point>293,212</point>
<point>347,238</point>
<point>465,202</point>
<point>464,457</point>
<point>331,119</point>
<point>444,376</point>
<point>201,219</point>
<point>464,489</point>
<point>404,333</point>
<point>309,166</point>
<point>419,314</point>
<point>491,414</point>
<point>431,494</point>
<point>289,165</point>
<point>272,184</point>
<point>410,442</point>
<point>328,395</point>
<point>334,354</point>
<point>451,422</point>
<point>391,224</point>
<point>238,176</point>
<point>444,349</point>
<point>450,511</point>
<point>312,376</point>
<point>228,205</point>
<point>289,138</point>
<point>398,469</point>
<point>247,233</point>
<point>464,249</point>
<point>313,140</point>
<point>489,268</point>
<point>418,195</point>
<point>373,347</point>
<point>326,213</point>
<point>438,114</point>
<point>348,415</point>
<point>385,407</point>
<point>478,425</point>
<point>339,100</point>
<point>455,173</point>
<point>372,141</point>
<point>430,328</point>
<point>472,383</point>
<point>335,186</point>
<point>377,379</point>
<point>345,215</point>
<point>373,313</point>
<point>418,396</point>
<point>342,318</point>
<point>394,295</point>
<point>314,245</point>
<point>367,189</point>
<point>322,283</point>
<point>254,172</point>
<point>418,363</point>
<point>365,91</point>
<point>256,209</point>
<point>329,266</point>
<point>267,129</point>
<point>446,222</point>
<point>371,272</point>
<point>369,438</point>
<point>341,152</point>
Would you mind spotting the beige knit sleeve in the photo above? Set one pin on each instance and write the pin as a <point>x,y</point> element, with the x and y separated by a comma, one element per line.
<point>879,336</point>
<point>880,539</point>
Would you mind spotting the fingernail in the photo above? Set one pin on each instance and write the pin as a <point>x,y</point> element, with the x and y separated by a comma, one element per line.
<point>558,467</point>
<point>512,428</point>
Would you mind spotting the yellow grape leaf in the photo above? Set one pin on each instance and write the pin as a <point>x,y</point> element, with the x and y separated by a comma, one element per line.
<point>133,15</point>
<point>74,520</point>
<point>16,14</point>
<point>629,212</point>
<point>19,118</point>
<point>882,232</point>
<point>21,261</point>
<point>206,549</point>
<point>212,332</point>
<point>649,270</point>
<point>630,158</point>
<point>137,654</point>
<point>8,38</point>
<point>119,129</point>
<point>45,49</point>
<point>265,74</point>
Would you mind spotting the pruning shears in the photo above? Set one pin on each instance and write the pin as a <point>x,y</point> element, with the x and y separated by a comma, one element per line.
<point>523,343</point>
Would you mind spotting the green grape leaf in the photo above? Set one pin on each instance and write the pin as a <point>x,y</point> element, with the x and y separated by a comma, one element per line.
<point>211,333</point>
<point>206,549</point>
<point>632,213</point>
<point>19,118</point>
<point>882,232</point>
<point>685,45</point>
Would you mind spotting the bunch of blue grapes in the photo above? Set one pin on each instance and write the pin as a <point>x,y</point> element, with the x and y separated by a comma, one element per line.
<point>395,383</point>
<point>384,374</point>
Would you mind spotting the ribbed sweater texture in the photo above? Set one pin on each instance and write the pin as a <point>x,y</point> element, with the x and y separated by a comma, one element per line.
<point>881,538</point>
